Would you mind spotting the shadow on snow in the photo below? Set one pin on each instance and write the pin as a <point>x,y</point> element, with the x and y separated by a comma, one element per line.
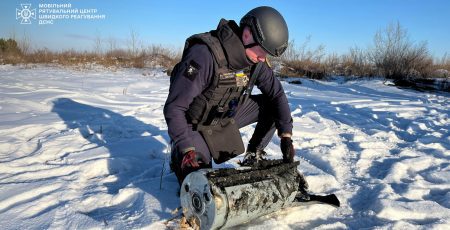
<point>137,157</point>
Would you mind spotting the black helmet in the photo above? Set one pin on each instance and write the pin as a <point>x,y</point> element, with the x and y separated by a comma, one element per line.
<point>268,28</point>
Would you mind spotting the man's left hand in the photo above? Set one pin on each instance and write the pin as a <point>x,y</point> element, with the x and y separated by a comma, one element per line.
<point>287,149</point>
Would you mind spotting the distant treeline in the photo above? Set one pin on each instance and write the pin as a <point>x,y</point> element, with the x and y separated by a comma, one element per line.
<point>392,55</point>
<point>152,56</point>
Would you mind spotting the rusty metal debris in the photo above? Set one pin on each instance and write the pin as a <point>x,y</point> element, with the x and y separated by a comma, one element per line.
<point>223,198</point>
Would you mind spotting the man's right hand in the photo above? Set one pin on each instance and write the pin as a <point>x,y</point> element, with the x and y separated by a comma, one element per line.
<point>189,162</point>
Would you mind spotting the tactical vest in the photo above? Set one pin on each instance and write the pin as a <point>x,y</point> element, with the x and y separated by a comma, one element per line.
<point>220,99</point>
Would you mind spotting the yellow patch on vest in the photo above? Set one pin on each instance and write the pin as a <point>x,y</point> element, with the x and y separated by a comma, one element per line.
<point>241,78</point>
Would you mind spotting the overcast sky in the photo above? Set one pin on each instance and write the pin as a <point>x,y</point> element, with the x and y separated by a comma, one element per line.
<point>338,25</point>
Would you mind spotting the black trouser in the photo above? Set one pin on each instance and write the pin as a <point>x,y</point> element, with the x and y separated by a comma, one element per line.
<point>255,109</point>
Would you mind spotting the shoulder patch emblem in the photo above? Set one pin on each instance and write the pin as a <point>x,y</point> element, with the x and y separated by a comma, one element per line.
<point>192,70</point>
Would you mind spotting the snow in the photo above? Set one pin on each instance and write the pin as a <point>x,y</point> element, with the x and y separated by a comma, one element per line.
<point>89,149</point>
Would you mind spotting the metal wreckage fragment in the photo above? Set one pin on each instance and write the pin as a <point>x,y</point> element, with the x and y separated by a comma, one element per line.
<point>222,198</point>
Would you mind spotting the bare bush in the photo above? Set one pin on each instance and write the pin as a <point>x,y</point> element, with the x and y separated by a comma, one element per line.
<point>357,63</point>
<point>98,44</point>
<point>9,46</point>
<point>163,56</point>
<point>112,44</point>
<point>396,57</point>
<point>134,43</point>
<point>10,51</point>
<point>25,43</point>
<point>303,61</point>
<point>41,56</point>
<point>442,67</point>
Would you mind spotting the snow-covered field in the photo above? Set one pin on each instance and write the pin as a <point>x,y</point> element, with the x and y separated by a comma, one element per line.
<point>89,149</point>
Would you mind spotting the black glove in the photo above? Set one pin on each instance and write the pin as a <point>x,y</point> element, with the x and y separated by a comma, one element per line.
<point>287,149</point>
<point>189,161</point>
